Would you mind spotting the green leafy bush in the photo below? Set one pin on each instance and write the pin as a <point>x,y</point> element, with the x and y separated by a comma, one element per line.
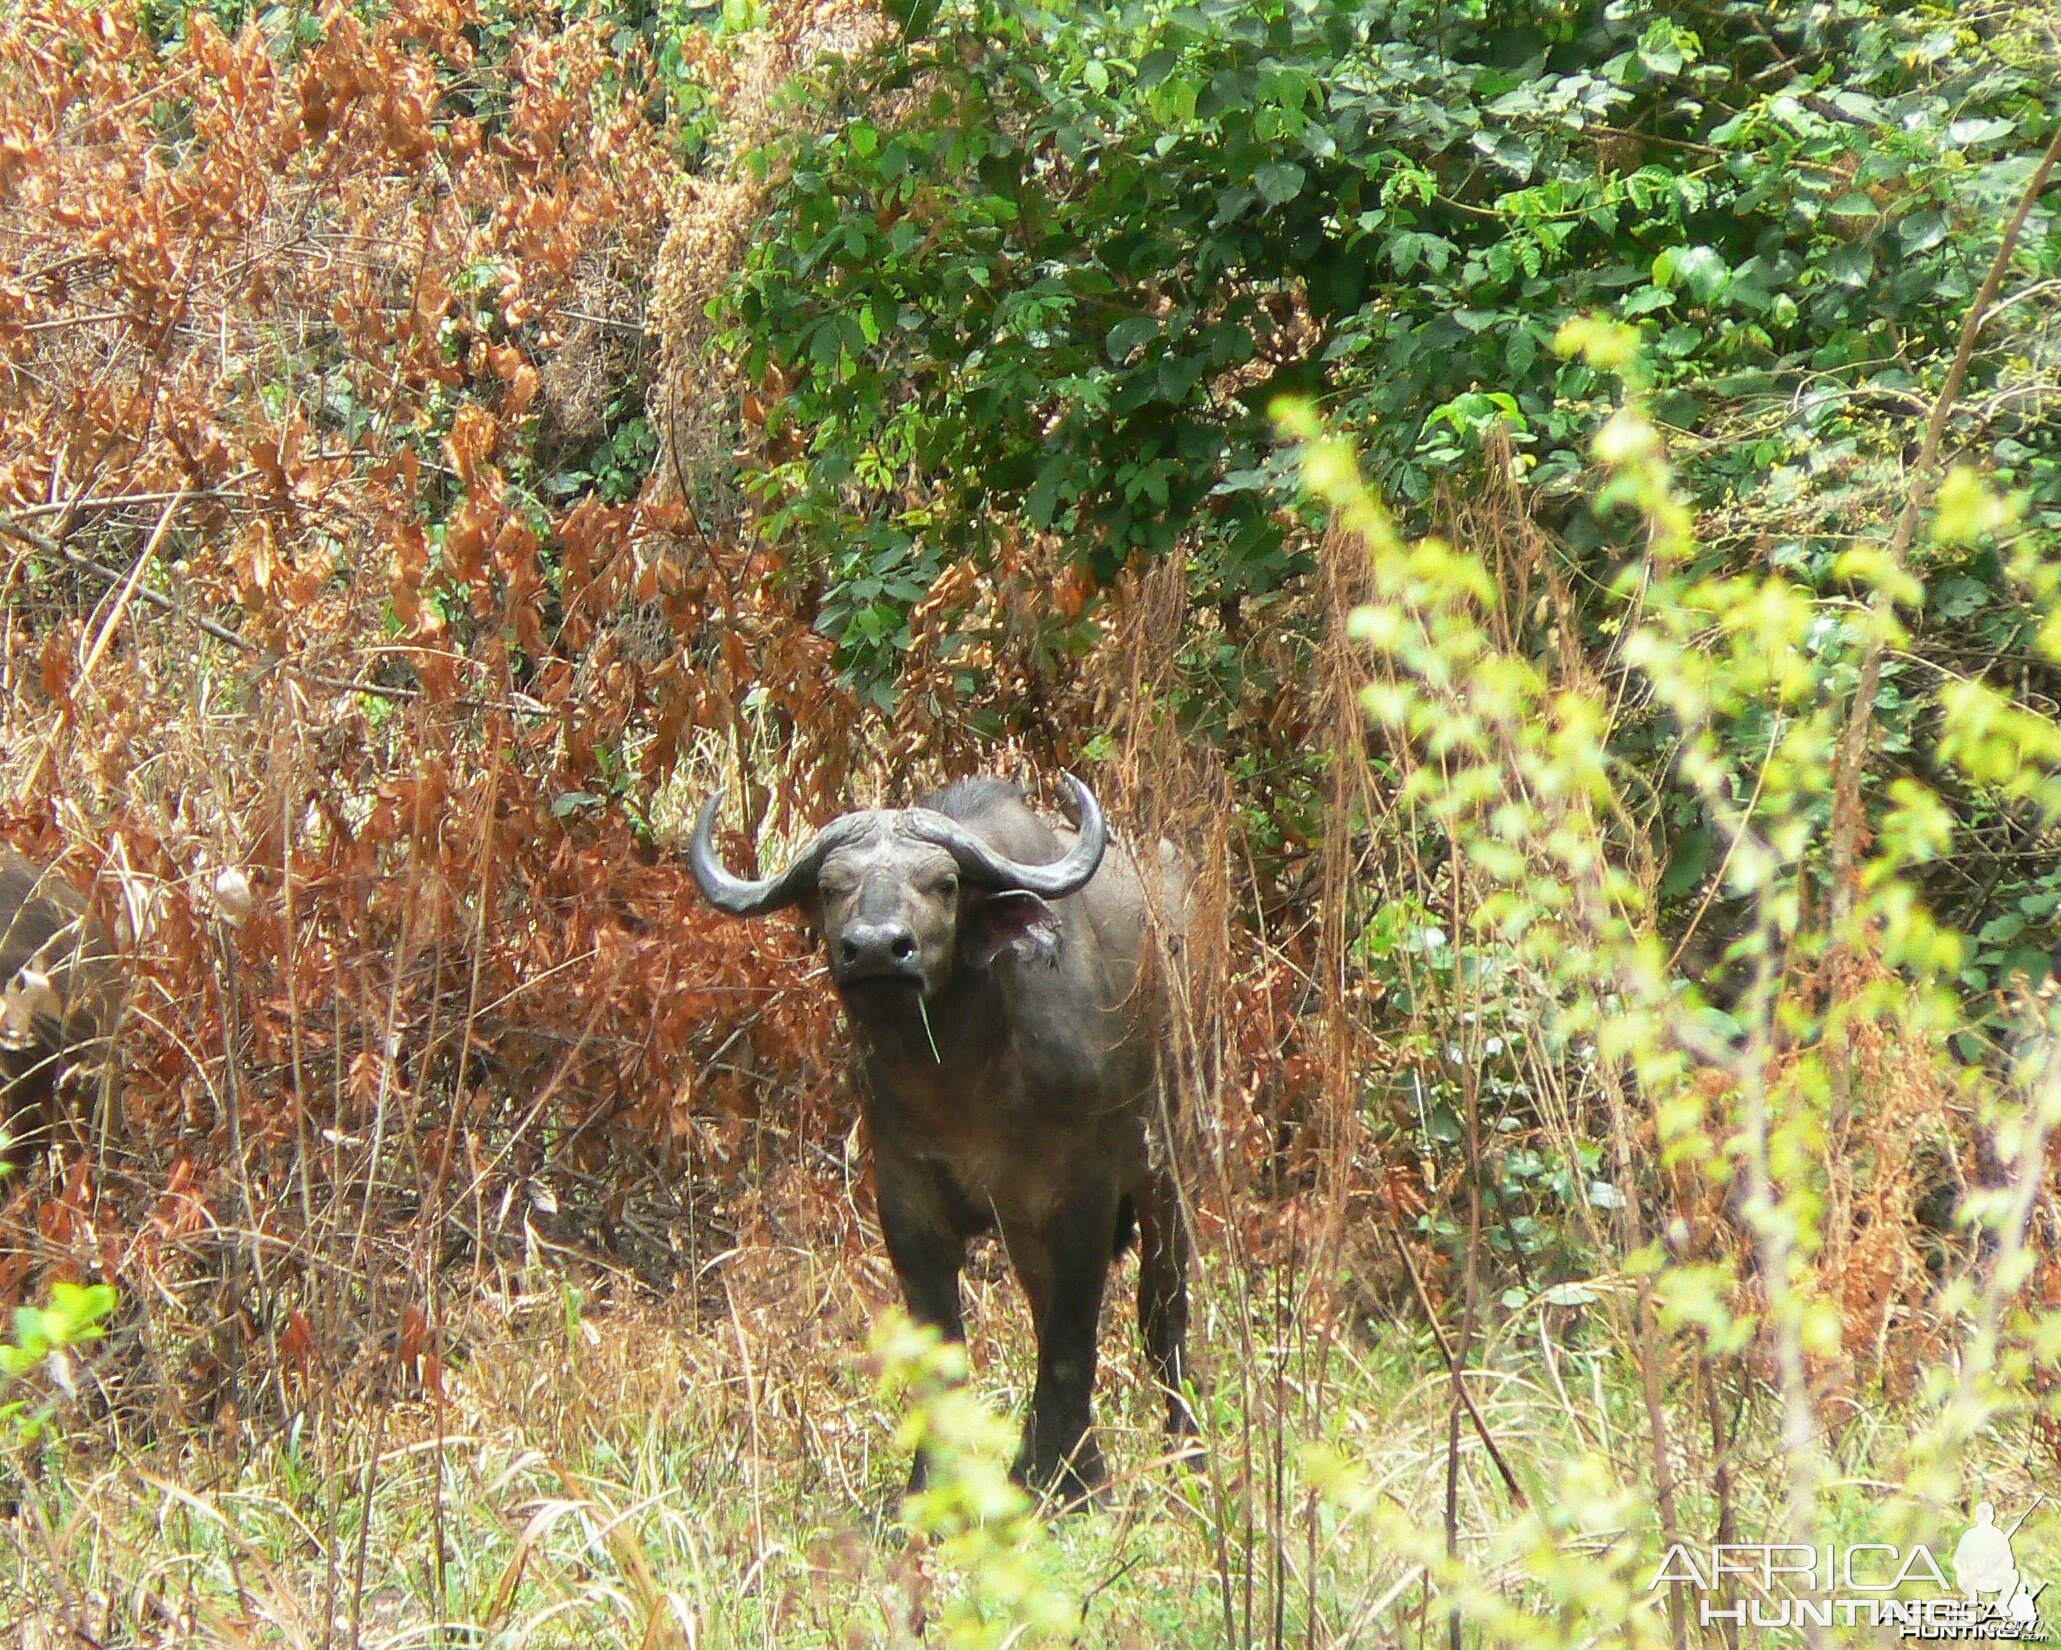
<point>1040,268</point>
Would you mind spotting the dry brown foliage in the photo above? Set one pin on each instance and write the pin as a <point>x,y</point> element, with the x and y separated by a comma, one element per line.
<point>278,331</point>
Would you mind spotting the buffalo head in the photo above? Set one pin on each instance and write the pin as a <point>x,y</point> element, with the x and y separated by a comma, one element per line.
<point>905,897</point>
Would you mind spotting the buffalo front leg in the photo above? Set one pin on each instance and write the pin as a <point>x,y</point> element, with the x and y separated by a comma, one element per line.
<point>925,1249</point>
<point>1163,1296</point>
<point>1063,1262</point>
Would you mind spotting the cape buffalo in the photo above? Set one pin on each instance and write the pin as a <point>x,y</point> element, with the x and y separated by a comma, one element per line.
<point>60,997</point>
<point>999,977</point>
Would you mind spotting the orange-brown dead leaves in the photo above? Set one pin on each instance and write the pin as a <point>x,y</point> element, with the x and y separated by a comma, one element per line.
<point>328,295</point>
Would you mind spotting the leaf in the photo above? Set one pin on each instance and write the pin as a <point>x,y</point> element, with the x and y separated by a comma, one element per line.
<point>913,16</point>
<point>1569,1294</point>
<point>1127,335</point>
<point>1921,231</point>
<point>1851,265</point>
<point>1041,504</point>
<point>1279,181</point>
<point>1232,204</point>
<point>1699,268</point>
<point>1510,152</point>
<point>1956,598</point>
<point>1155,66</point>
<point>1967,509</point>
<point>1967,134</point>
<point>1689,863</point>
<point>1412,247</point>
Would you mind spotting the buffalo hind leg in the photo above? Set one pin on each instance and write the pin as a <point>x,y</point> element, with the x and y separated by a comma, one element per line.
<point>926,1250</point>
<point>1063,1262</point>
<point>1163,1296</point>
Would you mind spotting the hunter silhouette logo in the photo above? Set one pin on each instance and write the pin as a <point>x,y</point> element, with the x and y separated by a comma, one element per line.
<point>1868,1584</point>
<point>1982,1560</point>
<point>1984,1567</point>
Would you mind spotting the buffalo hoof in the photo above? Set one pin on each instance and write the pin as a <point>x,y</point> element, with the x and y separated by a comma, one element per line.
<point>1069,1491</point>
<point>1079,1480</point>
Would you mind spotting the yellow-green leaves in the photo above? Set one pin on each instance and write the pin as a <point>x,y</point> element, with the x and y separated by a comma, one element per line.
<point>985,1527</point>
<point>2001,744</point>
<point>1967,509</point>
<point>1608,346</point>
<point>43,1341</point>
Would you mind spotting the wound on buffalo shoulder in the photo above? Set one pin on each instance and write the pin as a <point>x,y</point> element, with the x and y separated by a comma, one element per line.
<point>1014,924</point>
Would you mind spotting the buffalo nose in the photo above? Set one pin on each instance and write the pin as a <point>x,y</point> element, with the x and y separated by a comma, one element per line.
<point>876,944</point>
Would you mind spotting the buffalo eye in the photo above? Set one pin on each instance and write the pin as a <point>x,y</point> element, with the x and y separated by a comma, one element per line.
<point>947,886</point>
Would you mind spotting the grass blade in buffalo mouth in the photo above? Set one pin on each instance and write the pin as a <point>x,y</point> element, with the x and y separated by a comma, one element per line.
<point>930,1037</point>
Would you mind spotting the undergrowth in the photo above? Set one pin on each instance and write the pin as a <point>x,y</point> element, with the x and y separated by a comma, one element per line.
<point>638,1478</point>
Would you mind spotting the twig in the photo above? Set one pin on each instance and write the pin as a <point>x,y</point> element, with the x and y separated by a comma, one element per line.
<point>72,507</point>
<point>608,322</point>
<point>267,660</point>
<point>129,586</point>
<point>57,322</point>
<point>1445,1350</point>
<point>154,598</point>
<point>371,1478</point>
<point>1853,744</point>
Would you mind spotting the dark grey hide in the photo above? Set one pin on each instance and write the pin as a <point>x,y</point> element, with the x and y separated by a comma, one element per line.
<point>998,976</point>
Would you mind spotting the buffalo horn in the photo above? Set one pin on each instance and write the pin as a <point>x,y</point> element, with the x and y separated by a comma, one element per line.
<point>744,897</point>
<point>982,864</point>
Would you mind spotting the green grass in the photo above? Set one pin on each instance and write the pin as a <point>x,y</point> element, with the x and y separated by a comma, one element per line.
<point>646,1476</point>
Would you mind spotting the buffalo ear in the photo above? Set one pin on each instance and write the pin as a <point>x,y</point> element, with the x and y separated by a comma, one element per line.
<point>1014,924</point>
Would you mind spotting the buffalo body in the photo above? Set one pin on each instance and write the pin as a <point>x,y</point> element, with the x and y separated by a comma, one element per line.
<point>60,998</point>
<point>1000,978</point>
